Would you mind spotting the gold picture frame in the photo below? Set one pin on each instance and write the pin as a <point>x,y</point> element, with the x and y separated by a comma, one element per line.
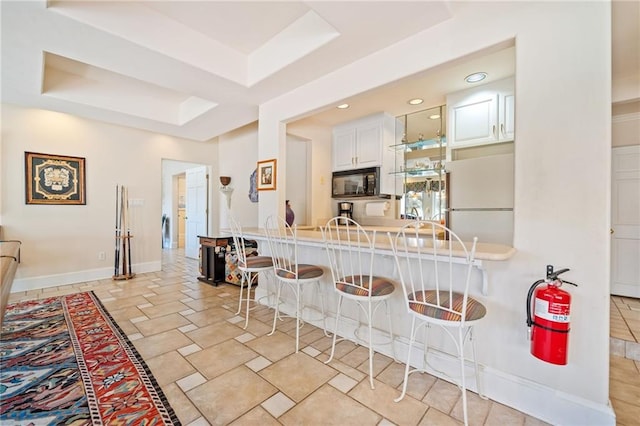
<point>267,175</point>
<point>54,179</point>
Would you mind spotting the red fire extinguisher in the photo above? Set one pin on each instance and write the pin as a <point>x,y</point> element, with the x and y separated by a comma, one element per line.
<point>549,324</point>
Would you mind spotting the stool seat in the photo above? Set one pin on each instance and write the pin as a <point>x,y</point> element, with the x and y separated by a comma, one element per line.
<point>256,262</point>
<point>429,308</point>
<point>358,285</point>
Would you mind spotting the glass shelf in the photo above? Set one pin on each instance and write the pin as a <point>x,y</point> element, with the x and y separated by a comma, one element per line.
<point>427,172</point>
<point>422,144</point>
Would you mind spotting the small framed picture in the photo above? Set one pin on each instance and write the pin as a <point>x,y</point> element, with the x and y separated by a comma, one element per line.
<point>54,179</point>
<point>267,175</point>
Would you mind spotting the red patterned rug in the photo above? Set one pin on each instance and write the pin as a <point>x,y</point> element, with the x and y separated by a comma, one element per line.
<point>64,361</point>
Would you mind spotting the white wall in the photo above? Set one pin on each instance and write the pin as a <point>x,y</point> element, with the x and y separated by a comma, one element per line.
<point>238,155</point>
<point>60,244</point>
<point>562,205</point>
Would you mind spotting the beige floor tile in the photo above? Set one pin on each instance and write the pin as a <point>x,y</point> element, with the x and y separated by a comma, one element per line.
<point>257,416</point>
<point>442,395</point>
<point>380,362</point>
<point>381,399</point>
<point>393,375</point>
<point>219,359</point>
<point>229,396</point>
<point>343,368</point>
<point>273,347</point>
<point>477,409</point>
<point>627,414</point>
<point>125,313</point>
<point>625,392</point>
<point>500,415</point>
<point>278,404</point>
<point>344,411</point>
<point>438,418</point>
<point>181,405</point>
<point>160,324</point>
<point>169,367</point>
<point>159,344</point>
<point>214,334</point>
<point>159,299</point>
<point>209,316</point>
<point>191,381</point>
<point>164,309</point>
<point>127,327</point>
<point>356,357</point>
<point>309,375</point>
<point>343,383</point>
<point>205,303</point>
<point>257,328</point>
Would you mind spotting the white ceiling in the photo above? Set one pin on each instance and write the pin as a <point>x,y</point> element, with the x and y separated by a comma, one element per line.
<point>198,69</point>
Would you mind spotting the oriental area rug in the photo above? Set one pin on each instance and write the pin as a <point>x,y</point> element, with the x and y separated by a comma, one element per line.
<point>64,361</point>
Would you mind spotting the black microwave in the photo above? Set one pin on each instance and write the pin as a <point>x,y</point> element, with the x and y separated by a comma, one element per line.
<point>356,183</point>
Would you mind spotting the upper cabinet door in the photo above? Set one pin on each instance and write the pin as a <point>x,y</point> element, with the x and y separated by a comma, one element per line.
<point>369,145</point>
<point>474,119</point>
<point>344,141</point>
<point>482,115</point>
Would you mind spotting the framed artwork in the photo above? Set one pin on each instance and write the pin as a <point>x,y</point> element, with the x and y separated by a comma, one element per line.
<point>54,179</point>
<point>267,175</point>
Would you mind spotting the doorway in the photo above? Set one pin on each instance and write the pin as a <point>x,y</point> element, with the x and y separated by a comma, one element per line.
<point>625,221</point>
<point>178,200</point>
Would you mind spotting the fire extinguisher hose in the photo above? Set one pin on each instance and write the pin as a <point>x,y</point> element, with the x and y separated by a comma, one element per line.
<point>529,296</point>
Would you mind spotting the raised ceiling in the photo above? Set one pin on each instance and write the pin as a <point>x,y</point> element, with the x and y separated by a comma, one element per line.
<point>198,69</point>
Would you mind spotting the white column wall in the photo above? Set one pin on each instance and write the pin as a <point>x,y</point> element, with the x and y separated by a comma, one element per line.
<point>562,180</point>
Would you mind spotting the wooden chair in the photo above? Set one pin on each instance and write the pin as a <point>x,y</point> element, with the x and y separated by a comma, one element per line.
<point>250,266</point>
<point>288,271</point>
<point>436,291</point>
<point>351,255</point>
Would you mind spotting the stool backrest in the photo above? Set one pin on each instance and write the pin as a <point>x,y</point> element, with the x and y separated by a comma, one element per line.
<point>350,250</point>
<point>283,246</point>
<point>426,265</point>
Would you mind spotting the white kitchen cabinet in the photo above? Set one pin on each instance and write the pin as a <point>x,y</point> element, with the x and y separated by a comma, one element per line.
<point>482,115</point>
<point>364,143</point>
<point>359,144</point>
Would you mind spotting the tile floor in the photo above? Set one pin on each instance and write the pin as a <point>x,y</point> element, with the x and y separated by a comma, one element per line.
<point>214,372</point>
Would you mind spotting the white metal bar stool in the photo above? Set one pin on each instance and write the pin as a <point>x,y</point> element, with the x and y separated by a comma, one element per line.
<point>351,255</point>
<point>284,253</point>
<point>436,292</point>
<point>249,265</point>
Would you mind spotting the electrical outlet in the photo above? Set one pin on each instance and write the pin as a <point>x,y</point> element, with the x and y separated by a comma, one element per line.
<point>102,255</point>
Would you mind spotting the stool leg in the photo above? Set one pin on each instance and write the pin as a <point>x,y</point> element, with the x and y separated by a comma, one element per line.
<point>369,321</point>
<point>277,312</point>
<point>406,368</point>
<point>242,279</point>
<point>335,331</point>
<point>462,375</point>
<point>249,282</point>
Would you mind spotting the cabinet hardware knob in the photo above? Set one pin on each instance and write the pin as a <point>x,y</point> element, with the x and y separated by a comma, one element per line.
<point>611,231</point>
<point>494,131</point>
<point>502,129</point>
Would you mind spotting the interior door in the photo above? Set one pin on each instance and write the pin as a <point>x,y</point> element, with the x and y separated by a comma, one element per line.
<point>625,221</point>
<point>196,204</point>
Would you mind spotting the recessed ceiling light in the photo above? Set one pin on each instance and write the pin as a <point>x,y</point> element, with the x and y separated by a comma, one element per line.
<point>343,106</point>
<point>415,101</point>
<point>475,77</point>
<point>434,116</point>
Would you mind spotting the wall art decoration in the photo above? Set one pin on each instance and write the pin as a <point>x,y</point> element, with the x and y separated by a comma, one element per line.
<point>54,179</point>
<point>267,175</point>
<point>253,186</point>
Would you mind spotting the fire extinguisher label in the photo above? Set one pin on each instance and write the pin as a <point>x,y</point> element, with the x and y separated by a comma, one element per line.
<point>556,312</point>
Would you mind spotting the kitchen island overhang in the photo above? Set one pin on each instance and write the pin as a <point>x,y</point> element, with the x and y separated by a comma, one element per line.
<point>484,251</point>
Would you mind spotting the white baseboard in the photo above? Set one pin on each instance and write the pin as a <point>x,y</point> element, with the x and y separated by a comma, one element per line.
<point>46,281</point>
<point>532,398</point>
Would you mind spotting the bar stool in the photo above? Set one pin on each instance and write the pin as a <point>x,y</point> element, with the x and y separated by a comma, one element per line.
<point>351,256</point>
<point>284,254</point>
<point>250,266</point>
<point>437,293</point>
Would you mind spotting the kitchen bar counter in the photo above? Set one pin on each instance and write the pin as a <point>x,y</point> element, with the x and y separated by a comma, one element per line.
<point>484,251</point>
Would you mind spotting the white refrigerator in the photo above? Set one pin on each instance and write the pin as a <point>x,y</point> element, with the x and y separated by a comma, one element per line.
<point>481,198</point>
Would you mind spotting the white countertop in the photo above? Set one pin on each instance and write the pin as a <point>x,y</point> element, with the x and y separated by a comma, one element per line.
<point>484,251</point>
